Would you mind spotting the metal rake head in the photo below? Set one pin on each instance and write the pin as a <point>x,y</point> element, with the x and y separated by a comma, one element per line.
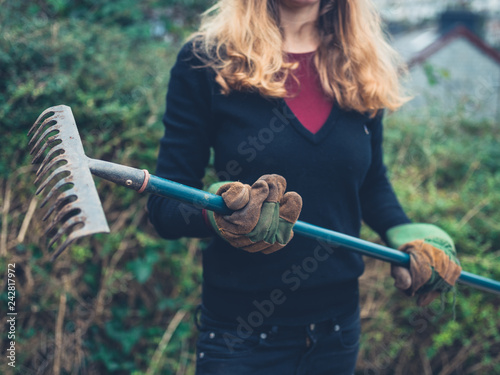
<point>75,208</point>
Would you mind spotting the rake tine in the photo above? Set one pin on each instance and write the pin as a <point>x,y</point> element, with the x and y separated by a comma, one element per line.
<point>40,139</point>
<point>50,178</point>
<point>37,124</point>
<point>48,163</point>
<point>59,203</point>
<point>49,155</point>
<point>72,237</point>
<point>54,190</point>
<point>65,227</point>
<point>37,134</point>
<point>63,212</point>
<point>40,126</point>
<point>50,141</point>
<point>52,226</point>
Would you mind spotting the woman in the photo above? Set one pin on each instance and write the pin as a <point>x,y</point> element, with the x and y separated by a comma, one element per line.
<point>289,94</point>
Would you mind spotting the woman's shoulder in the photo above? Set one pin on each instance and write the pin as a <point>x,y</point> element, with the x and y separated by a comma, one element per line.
<point>191,72</point>
<point>192,64</point>
<point>188,53</point>
<point>193,53</point>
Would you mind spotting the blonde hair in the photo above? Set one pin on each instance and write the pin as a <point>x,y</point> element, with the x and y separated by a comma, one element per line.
<point>240,39</point>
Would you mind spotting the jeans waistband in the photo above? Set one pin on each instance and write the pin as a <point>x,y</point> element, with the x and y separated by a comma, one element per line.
<point>204,318</point>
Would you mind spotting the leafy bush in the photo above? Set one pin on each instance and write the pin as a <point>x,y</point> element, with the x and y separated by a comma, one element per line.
<point>445,172</point>
<point>121,303</point>
<point>111,295</point>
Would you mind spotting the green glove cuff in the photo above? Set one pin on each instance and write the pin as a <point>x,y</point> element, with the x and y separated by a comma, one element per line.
<point>430,233</point>
<point>210,215</point>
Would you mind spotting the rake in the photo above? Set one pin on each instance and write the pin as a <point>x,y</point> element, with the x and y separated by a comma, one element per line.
<point>77,211</point>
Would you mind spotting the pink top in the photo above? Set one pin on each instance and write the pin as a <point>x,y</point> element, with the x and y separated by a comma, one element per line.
<point>307,100</point>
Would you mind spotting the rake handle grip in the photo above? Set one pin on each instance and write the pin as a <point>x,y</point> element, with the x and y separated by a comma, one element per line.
<point>122,175</point>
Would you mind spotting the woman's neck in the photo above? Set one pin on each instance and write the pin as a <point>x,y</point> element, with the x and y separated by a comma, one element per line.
<point>299,27</point>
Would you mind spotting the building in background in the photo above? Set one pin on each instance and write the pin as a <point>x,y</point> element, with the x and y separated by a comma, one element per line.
<point>454,70</point>
<point>414,12</point>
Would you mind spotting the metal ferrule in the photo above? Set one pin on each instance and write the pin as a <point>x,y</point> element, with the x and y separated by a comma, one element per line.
<point>132,178</point>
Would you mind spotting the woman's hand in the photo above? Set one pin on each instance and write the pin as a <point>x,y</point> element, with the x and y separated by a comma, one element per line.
<point>434,267</point>
<point>263,214</point>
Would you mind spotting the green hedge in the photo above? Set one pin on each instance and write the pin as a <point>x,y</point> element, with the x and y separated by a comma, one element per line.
<point>445,171</point>
<point>110,303</point>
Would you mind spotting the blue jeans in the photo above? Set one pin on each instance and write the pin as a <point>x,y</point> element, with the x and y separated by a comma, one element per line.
<point>232,348</point>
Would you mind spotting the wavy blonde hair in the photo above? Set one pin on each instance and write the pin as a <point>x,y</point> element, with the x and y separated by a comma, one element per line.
<point>242,41</point>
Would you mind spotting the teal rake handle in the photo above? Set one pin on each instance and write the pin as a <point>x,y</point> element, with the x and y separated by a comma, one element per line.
<point>212,202</point>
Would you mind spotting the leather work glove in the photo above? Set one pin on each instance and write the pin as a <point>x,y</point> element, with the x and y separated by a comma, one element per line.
<point>264,215</point>
<point>434,267</point>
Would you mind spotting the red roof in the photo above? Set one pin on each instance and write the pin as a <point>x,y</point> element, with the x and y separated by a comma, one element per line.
<point>457,32</point>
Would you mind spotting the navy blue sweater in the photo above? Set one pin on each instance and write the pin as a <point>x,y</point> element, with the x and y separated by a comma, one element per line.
<point>338,171</point>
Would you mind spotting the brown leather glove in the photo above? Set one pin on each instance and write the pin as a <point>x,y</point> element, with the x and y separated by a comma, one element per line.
<point>264,215</point>
<point>434,267</point>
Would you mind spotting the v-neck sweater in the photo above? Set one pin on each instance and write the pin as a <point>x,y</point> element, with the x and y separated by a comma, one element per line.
<point>306,97</point>
<point>338,171</point>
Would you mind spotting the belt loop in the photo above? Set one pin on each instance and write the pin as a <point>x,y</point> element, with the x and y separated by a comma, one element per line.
<point>273,331</point>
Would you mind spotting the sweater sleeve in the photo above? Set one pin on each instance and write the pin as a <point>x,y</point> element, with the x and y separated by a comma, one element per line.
<point>184,148</point>
<point>379,204</point>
